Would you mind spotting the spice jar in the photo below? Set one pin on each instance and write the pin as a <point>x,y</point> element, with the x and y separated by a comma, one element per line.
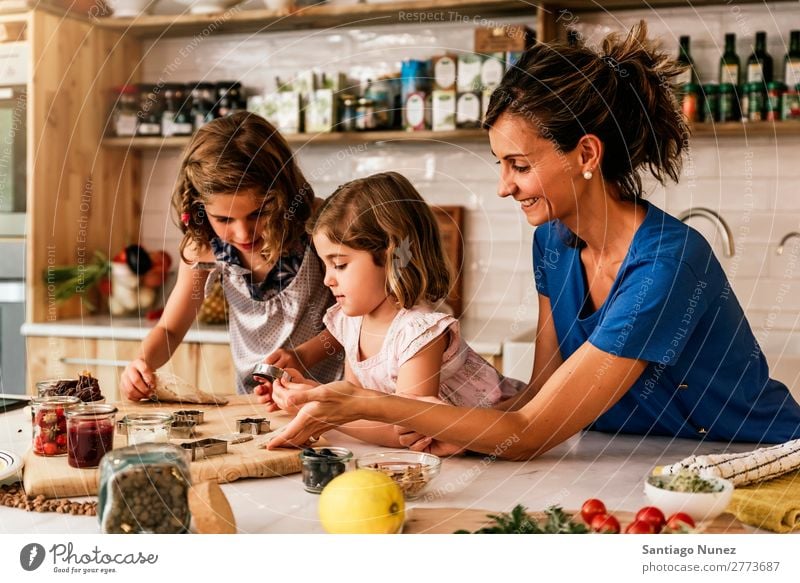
<point>775,91</point>
<point>728,103</point>
<point>203,98</point>
<point>755,101</point>
<point>176,119</point>
<point>148,427</point>
<point>710,103</point>
<point>123,118</point>
<point>690,103</point>
<point>144,489</point>
<point>229,98</point>
<point>151,106</point>
<point>323,464</point>
<point>90,434</point>
<point>365,114</point>
<point>50,424</point>
<point>790,105</point>
<point>348,117</point>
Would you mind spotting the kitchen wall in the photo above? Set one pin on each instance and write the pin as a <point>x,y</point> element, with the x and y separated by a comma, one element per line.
<point>753,183</point>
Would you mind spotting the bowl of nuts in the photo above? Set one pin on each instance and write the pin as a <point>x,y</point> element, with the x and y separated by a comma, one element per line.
<point>413,471</point>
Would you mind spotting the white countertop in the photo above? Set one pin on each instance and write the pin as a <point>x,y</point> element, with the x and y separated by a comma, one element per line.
<point>484,336</point>
<point>591,465</point>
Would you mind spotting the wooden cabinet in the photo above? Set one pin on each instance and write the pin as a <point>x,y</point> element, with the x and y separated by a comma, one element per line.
<point>208,366</point>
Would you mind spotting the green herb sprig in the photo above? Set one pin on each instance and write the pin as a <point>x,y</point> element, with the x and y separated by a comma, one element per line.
<point>518,521</point>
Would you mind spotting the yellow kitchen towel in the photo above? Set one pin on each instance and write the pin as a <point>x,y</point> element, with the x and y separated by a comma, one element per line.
<point>772,505</point>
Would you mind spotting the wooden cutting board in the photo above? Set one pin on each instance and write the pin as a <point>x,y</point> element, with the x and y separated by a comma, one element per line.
<point>55,478</point>
<point>449,520</point>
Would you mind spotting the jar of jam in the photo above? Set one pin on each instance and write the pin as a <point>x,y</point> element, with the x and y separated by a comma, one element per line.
<point>90,434</point>
<point>50,424</point>
<point>148,427</point>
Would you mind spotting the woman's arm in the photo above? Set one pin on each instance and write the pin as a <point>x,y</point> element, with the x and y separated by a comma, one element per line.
<point>588,383</point>
<point>418,377</point>
<point>546,358</point>
<point>162,341</point>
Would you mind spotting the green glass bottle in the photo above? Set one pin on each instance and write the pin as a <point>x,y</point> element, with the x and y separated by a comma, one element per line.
<point>685,58</point>
<point>759,65</point>
<point>729,63</point>
<point>791,63</point>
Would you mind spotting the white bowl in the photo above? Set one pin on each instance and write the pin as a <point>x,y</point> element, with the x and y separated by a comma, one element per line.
<point>698,505</point>
<point>208,6</point>
<point>130,8</point>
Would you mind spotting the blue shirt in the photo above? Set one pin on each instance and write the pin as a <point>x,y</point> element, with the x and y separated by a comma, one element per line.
<point>671,305</point>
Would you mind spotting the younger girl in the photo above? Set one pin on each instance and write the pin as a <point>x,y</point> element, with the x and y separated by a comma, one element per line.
<point>243,205</point>
<point>385,265</point>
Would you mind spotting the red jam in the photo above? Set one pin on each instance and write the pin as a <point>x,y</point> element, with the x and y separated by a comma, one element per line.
<point>88,442</point>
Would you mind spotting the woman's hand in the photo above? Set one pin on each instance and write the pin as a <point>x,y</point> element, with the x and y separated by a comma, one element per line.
<point>418,442</point>
<point>264,389</point>
<point>319,409</point>
<point>137,381</point>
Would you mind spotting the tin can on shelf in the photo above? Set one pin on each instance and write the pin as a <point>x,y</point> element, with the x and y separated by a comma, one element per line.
<point>49,417</point>
<point>710,103</point>
<point>775,91</point>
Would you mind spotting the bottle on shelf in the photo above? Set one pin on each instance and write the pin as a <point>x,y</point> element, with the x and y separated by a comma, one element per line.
<point>689,75</point>
<point>791,62</point>
<point>729,63</point>
<point>759,65</point>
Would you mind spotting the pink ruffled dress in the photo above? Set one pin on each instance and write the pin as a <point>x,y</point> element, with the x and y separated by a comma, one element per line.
<point>467,380</point>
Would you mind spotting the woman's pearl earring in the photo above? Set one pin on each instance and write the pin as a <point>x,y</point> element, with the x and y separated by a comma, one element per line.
<point>588,175</point>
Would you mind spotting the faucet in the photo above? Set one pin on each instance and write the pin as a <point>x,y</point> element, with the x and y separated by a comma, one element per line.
<point>786,237</point>
<point>714,217</point>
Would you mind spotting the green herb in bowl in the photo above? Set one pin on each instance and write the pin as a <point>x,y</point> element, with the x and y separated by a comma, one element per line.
<point>685,481</point>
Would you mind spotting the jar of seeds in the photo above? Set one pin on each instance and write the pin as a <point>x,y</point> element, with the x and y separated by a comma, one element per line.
<point>144,489</point>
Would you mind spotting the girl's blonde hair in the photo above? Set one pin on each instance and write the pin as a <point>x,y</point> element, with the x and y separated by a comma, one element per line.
<point>242,152</point>
<point>385,215</point>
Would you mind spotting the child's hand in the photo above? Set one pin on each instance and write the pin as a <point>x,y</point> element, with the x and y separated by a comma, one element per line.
<point>137,381</point>
<point>297,383</point>
<point>284,358</point>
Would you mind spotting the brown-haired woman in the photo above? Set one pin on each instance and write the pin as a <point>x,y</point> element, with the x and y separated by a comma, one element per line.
<point>639,331</point>
<point>243,204</point>
<point>386,267</point>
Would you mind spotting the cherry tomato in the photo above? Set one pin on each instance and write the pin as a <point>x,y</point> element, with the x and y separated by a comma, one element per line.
<point>61,440</point>
<point>104,285</point>
<point>640,527</point>
<point>50,448</point>
<point>591,508</point>
<point>605,524</point>
<point>653,516</point>
<point>119,257</point>
<point>60,412</point>
<point>680,520</point>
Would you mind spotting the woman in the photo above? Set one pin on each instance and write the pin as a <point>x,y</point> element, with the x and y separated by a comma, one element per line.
<point>639,331</point>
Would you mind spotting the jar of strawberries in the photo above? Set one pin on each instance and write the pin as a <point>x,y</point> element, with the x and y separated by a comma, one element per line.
<point>50,424</point>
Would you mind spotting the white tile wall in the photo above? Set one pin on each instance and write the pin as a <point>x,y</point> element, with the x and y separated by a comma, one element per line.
<point>753,183</point>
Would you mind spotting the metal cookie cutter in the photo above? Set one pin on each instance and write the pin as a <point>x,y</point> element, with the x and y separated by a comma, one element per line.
<point>253,425</point>
<point>205,447</point>
<point>182,429</point>
<point>189,415</point>
<point>267,372</point>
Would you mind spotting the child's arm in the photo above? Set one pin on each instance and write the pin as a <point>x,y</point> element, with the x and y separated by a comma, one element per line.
<point>307,354</point>
<point>160,344</point>
<point>418,377</point>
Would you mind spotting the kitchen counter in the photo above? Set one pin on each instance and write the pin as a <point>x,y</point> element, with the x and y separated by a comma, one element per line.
<point>590,465</point>
<point>484,336</point>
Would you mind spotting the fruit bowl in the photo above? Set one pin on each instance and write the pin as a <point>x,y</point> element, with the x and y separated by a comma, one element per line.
<point>698,505</point>
<point>411,470</point>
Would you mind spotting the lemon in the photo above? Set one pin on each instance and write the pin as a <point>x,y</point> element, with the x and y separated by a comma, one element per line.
<point>362,502</point>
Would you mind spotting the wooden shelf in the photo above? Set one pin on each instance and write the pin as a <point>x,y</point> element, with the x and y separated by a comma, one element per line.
<point>322,16</point>
<point>746,129</point>
<point>595,6</point>
<point>341,138</point>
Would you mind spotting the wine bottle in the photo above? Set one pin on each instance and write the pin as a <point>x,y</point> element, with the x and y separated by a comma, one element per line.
<point>729,63</point>
<point>791,63</point>
<point>685,58</point>
<point>759,65</point>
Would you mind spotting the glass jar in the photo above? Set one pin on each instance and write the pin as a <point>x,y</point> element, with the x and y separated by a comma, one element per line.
<point>203,99</point>
<point>755,101</point>
<point>323,464</point>
<point>148,427</point>
<point>790,104</point>
<point>175,119</point>
<point>690,104</point>
<point>144,489</point>
<point>48,415</point>
<point>151,107</point>
<point>90,434</point>
<point>710,103</point>
<point>775,91</point>
<point>124,117</point>
<point>728,104</point>
<point>348,118</point>
<point>365,115</point>
<point>229,98</point>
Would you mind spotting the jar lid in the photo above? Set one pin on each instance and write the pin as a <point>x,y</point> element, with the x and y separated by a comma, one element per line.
<point>56,400</point>
<point>88,411</point>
